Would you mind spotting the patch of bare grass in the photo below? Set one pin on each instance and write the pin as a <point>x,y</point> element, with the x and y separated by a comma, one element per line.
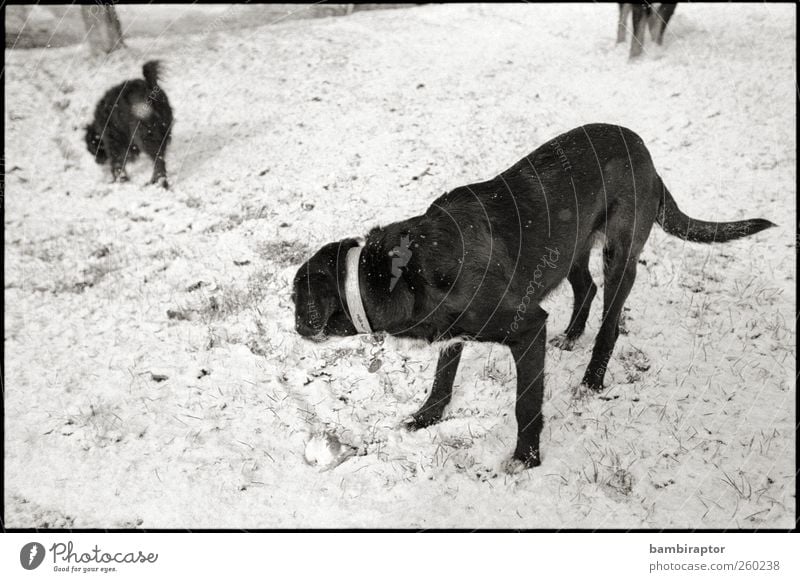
<point>225,302</point>
<point>284,253</point>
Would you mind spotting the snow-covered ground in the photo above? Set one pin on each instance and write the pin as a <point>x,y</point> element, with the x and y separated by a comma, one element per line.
<point>153,378</point>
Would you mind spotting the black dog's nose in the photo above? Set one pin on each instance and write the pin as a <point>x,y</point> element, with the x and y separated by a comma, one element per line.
<point>304,328</point>
<point>308,332</point>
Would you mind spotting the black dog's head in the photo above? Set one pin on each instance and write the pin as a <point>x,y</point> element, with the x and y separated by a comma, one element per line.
<point>94,143</point>
<point>318,294</point>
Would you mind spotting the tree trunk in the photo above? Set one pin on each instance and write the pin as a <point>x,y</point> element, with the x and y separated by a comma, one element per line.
<point>103,28</point>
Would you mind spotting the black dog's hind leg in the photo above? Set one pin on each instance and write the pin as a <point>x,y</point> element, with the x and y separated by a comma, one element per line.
<point>619,265</point>
<point>442,391</point>
<point>159,171</point>
<point>584,290</point>
<point>155,142</point>
<point>528,351</point>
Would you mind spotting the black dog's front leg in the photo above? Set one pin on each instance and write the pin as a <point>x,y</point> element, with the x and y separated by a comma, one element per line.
<point>442,391</point>
<point>528,351</point>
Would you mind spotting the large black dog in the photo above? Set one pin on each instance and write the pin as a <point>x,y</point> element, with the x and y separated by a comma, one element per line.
<point>132,117</point>
<point>476,265</point>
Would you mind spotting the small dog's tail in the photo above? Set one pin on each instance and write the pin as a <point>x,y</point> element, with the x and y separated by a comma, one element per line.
<point>676,223</point>
<point>152,73</point>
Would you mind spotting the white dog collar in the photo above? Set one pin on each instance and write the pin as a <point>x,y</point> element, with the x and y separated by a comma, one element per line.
<point>352,292</point>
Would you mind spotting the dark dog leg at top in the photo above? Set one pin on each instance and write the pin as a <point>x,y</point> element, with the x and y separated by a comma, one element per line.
<point>640,13</point>
<point>624,10</point>
<point>442,391</point>
<point>528,351</point>
<point>659,20</point>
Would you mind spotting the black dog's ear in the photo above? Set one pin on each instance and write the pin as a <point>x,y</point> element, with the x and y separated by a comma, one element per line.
<point>389,289</point>
<point>436,255</point>
<point>386,255</point>
<point>415,252</point>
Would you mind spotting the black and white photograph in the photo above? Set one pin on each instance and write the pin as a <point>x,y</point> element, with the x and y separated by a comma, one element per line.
<point>472,266</point>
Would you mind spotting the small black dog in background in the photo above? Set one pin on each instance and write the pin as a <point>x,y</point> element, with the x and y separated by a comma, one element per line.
<point>655,15</point>
<point>133,117</point>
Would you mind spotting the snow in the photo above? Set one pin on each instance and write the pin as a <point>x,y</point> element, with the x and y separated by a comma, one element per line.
<point>325,450</point>
<point>153,378</point>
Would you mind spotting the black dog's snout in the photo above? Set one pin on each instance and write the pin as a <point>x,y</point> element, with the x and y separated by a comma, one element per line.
<point>304,328</point>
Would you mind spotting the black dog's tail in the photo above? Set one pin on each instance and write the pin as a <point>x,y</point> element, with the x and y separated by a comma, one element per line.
<point>676,223</point>
<point>152,73</point>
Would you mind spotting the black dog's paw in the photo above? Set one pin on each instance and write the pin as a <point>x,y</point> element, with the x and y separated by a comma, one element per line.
<point>563,342</point>
<point>419,421</point>
<point>593,379</point>
<point>587,389</point>
<point>522,461</point>
<point>593,386</point>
